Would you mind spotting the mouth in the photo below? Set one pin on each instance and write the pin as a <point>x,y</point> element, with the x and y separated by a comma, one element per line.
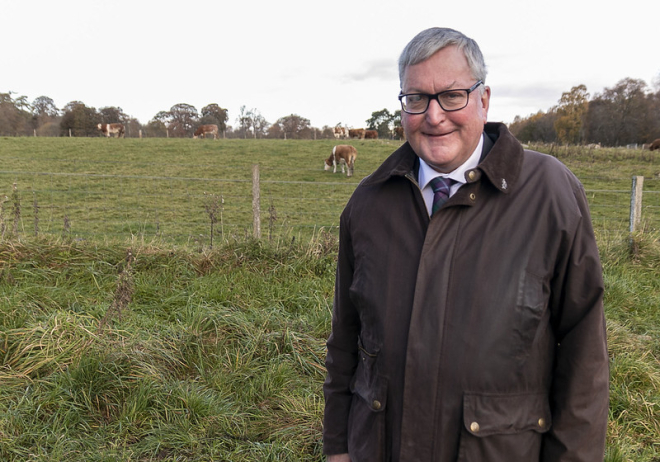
<point>438,135</point>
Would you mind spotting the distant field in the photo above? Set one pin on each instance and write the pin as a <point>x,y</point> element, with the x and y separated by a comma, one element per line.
<point>167,189</point>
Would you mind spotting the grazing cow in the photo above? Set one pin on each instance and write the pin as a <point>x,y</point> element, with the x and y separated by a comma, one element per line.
<point>399,132</point>
<point>342,154</point>
<point>356,133</point>
<point>340,132</point>
<point>655,145</point>
<point>112,129</point>
<point>203,130</point>
<point>371,134</point>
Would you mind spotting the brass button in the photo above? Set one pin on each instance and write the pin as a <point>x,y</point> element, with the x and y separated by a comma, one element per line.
<point>474,427</point>
<point>542,422</point>
<point>473,196</point>
<point>375,404</point>
<point>472,175</point>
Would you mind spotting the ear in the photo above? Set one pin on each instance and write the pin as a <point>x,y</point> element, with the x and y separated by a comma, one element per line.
<point>485,102</point>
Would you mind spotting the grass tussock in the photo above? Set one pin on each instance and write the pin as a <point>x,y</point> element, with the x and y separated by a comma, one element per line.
<point>154,354</point>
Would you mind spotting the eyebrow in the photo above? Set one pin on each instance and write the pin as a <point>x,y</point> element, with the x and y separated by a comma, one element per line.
<point>450,87</point>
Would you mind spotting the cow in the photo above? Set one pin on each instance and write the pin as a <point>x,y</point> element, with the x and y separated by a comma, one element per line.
<point>342,154</point>
<point>204,130</point>
<point>399,132</point>
<point>655,145</point>
<point>370,134</point>
<point>356,133</point>
<point>340,132</point>
<point>112,129</point>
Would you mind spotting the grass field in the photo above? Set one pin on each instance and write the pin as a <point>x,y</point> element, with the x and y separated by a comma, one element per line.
<point>123,344</point>
<point>160,188</point>
<point>166,190</point>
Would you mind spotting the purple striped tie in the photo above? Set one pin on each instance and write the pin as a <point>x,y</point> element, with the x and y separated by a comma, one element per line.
<point>440,188</point>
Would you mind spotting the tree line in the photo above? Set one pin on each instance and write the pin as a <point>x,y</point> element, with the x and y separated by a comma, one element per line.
<point>41,117</point>
<point>626,114</point>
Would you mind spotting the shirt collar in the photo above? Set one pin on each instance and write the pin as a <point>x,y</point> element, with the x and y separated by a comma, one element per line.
<point>426,172</point>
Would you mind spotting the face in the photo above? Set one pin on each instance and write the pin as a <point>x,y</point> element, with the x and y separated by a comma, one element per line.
<point>445,140</point>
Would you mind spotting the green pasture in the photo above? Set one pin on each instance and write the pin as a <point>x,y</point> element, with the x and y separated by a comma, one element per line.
<point>173,190</point>
<point>161,188</point>
<point>124,336</point>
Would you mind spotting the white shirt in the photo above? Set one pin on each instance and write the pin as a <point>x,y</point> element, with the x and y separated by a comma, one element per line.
<point>426,174</point>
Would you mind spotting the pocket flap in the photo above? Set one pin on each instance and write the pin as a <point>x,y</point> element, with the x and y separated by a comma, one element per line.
<point>490,414</point>
<point>367,383</point>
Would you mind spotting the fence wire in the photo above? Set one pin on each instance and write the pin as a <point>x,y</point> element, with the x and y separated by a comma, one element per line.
<point>185,210</point>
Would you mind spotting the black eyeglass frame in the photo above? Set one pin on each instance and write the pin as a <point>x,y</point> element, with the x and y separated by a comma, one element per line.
<point>437,98</point>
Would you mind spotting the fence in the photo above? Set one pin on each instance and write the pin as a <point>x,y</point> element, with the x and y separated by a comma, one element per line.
<point>185,211</point>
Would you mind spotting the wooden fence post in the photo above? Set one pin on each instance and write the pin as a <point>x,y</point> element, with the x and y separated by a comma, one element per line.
<point>256,213</point>
<point>636,202</point>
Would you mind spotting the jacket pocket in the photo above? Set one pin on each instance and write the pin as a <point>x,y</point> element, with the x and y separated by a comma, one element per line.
<point>530,307</point>
<point>366,422</point>
<point>500,427</point>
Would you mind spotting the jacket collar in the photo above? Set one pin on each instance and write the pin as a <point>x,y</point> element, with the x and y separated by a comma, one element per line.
<point>501,160</point>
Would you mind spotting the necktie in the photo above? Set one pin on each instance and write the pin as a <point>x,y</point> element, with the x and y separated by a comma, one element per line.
<point>440,187</point>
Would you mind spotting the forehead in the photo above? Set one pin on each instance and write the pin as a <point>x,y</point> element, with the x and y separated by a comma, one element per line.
<point>446,68</point>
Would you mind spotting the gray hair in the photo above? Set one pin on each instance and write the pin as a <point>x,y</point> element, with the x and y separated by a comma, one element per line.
<point>429,41</point>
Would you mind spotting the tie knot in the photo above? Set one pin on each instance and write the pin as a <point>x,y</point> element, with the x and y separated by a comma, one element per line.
<point>441,184</point>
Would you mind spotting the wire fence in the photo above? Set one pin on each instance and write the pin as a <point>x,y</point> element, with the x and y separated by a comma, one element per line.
<point>199,211</point>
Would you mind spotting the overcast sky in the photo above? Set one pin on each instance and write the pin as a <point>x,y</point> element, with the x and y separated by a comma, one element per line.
<point>328,61</point>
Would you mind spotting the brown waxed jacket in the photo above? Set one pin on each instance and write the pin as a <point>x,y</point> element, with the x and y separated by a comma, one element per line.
<point>478,334</point>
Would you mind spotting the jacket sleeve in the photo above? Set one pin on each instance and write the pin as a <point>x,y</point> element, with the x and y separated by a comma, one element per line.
<point>341,359</point>
<point>580,387</point>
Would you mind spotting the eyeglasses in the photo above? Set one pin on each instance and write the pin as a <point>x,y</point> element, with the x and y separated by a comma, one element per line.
<point>449,100</point>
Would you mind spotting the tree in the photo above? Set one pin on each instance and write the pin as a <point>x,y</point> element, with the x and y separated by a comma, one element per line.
<point>45,116</point>
<point>214,114</point>
<point>44,107</point>
<point>293,126</point>
<point>15,115</point>
<point>79,120</point>
<point>537,127</point>
<point>572,108</point>
<point>244,120</point>
<point>182,120</point>
<point>381,121</point>
<point>619,115</point>
<point>259,124</point>
<point>111,115</point>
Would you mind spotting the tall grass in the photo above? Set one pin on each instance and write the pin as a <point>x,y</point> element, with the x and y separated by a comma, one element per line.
<point>149,353</point>
<point>211,356</point>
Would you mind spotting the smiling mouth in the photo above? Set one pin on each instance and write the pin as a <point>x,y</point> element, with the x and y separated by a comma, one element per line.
<point>438,135</point>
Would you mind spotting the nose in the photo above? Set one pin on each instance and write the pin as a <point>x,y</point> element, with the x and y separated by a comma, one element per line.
<point>435,114</point>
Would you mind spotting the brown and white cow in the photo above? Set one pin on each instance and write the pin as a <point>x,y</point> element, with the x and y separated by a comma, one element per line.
<point>112,129</point>
<point>356,133</point>
<point>340,132</point>
<point>655,145</point>
<point>370,134</point>
<point>399,133</point>
<point>342,154</point>
<point>204,130</point>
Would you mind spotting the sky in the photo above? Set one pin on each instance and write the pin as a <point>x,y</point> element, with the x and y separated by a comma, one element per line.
<point>332,62</point>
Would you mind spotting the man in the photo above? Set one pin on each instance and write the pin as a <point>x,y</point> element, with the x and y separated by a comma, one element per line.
<point>473,329</point>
